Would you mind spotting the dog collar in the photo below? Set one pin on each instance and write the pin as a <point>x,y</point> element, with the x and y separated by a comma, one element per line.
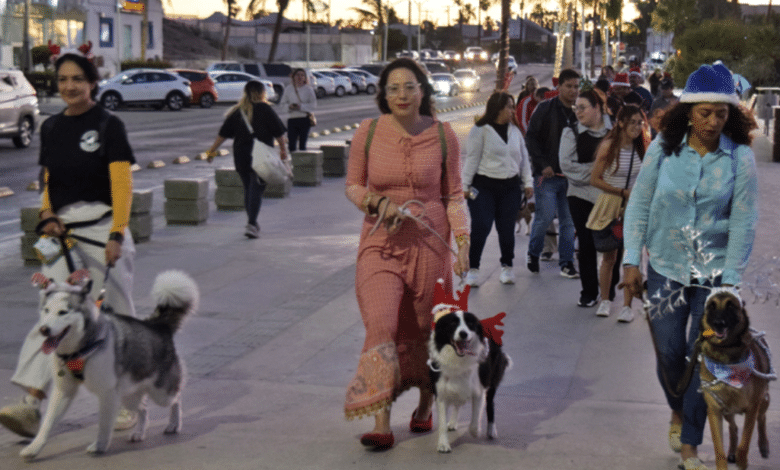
<point>75,362</point>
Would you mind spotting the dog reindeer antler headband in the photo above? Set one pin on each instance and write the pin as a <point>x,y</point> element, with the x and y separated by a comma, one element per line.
<point>445,303</point>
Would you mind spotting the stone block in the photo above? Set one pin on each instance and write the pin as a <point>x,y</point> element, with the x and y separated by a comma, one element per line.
<point>140,227</point>
<point>29,218</point>
<point>307,158</point>
<point>28,253</point>
<point>186,212</point>
<point>278,190</point>
<point>227,177</point>
<point>229,198</point>
<point>142,202</point>
<point>307,175</point>
<point>334,160</point>
<point>186,188</point>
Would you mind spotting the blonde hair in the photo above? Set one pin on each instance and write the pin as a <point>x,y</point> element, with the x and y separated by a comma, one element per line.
<point>254,92</point>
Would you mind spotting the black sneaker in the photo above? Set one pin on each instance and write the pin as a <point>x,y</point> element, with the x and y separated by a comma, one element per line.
<point>533,263</point>
<point>586,302</point>
<point>546,256</point>
<point>568,271</point>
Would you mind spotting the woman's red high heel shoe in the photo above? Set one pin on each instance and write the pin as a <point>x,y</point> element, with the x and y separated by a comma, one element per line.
<point>419,425</point>
<point>377,441</point>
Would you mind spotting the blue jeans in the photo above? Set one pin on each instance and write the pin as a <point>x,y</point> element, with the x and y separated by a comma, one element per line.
<point>297,133</point>
<point>673,347</point>
<point>254,186</point>
<point>550,195</point>
<point>498,200</point>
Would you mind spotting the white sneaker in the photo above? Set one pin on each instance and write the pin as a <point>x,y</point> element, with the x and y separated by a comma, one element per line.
<point>507,275</point>
<point>125,420</point>
<point>626,315</point>
<point>471,277</point>
<point>23,418</point>
<point>603,310</point>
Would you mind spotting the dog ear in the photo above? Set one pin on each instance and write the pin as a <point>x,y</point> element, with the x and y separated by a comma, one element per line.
<point>85,288</point>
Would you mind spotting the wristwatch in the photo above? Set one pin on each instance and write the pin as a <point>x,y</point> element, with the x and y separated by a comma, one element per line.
<point>117,237</point>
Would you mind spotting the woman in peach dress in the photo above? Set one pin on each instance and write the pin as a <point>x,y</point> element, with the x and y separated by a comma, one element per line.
<point>404,155</point>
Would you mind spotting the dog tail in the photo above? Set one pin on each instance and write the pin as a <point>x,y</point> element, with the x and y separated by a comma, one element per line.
<point>175,295</point>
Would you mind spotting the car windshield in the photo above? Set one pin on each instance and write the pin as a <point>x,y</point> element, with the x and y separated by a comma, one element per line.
<point>441,76</point>
<point>464,74</point>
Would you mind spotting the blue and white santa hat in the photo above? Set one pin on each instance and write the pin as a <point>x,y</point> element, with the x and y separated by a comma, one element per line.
<point>710,84</point>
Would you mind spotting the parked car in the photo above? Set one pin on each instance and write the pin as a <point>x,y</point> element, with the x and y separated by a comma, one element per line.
<point>372,81</point>
<point>452,56</point>
<point>359,82</point>
<point>343,83</point>
<point>475,54</point>
<point>511,64</point>
<point>325,85</point>
<point>445,84</point>
<point>436,66</point>
<point>374,69</point>
<point>230,85</point>
<point>204,93</point>
<point>410,54</point>
<point>145,87</point>
<point>19,113</point>
<point>468,79</point>
<point>276,73</point>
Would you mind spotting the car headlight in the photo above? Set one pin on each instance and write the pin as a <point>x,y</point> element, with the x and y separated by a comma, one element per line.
<point>457,56</point>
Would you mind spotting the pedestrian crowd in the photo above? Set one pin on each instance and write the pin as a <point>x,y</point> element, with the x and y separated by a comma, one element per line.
<point>589,155</point>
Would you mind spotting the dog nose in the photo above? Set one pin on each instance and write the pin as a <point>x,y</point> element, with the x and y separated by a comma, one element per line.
<point>45,330</point>
<point>463,335</point>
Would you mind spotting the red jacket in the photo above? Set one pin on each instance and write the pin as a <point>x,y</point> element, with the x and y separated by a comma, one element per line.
<point>524,110</point>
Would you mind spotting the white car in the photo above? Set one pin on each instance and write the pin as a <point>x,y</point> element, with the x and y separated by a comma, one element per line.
<point>324,85</point>
<point>475,54</point>
<point>153,87</point>
<point>359,82</point>
<point>343,84</point>
<point>230,85</point>
<point>19,113</point>
<point>468,79</point>
<point>445,84</point>
<point>372,81</point>
<point>511,64</point>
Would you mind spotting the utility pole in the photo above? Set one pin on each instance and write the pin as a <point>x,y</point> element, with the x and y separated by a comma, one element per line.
<point>409,30</point>
<point>25,59</point>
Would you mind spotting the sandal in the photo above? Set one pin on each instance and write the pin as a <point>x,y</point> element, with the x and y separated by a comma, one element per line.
<point>675,431</point>
<point>693,463</point>
<point>421,425</point>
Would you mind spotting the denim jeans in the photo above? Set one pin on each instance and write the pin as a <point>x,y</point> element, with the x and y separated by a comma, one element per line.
<point>674,344</point>
<point>254,186</point>
<point>550,195</point>
<point>297,133</point>
<point>498,200</point>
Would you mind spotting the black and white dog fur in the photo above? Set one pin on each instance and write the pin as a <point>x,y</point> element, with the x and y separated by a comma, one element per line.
<point>124,359</point>
<point>464,365</point>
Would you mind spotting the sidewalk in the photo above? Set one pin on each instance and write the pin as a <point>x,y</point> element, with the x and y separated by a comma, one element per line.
<point>278,335</point>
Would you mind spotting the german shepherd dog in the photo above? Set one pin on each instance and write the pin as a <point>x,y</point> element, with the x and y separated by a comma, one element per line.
<point>120,359</point>
<point>735,374</point>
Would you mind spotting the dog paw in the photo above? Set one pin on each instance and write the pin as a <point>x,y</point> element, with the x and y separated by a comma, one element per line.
<point>137,437</point>
<point>444,447</point>
<point>172,429</point>
<point>30,452</point>
<point>96,448</point>
<point>452,426</point>
<point>492,432</point>
<point>474,430</point>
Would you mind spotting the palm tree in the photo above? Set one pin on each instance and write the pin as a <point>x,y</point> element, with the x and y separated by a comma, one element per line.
<point>374,12</point>
<point>232,9</point>
<point>255,8</point>
<point>504,41</point>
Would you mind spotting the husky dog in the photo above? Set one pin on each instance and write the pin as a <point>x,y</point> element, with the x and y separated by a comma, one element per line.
<point>118,358</point>
<point>466,365</point>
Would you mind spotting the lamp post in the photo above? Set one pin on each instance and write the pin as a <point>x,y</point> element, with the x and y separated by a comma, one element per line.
<point>25,59</point>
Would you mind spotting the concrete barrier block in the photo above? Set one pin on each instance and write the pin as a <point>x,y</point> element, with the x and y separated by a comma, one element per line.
<point>29,219</point>
<point>140,227</point>
<point>307,176</point>
<point>229,198</point>
<point>334,160</point>
<point>142,202</point>
<point>186,212</point>
<point>307,158</point>
<point>227,177</point>
<point>278,190</point>
<point>186,188</point>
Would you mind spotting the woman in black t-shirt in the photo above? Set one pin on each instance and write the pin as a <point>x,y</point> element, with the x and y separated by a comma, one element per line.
<point>252,107</point>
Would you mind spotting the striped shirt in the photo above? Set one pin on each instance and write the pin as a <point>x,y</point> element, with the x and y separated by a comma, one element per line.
<point>618,179</point>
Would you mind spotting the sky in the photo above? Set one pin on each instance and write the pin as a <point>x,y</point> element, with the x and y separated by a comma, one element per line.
<point>436,9</point>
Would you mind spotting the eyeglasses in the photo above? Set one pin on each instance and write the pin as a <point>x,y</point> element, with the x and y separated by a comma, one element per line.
<point>408,89</point>
<point>580,109</point>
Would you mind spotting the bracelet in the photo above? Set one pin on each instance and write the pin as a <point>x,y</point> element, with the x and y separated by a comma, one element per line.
<point>117,237</point>
<point>378,205</point>
<point>462,239</point>
<point>366,200</point>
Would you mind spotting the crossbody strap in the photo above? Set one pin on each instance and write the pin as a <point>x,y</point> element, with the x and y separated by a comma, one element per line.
<point>248,124</point>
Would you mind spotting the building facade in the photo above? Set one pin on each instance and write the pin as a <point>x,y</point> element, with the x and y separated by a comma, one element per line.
<point>113,28</point>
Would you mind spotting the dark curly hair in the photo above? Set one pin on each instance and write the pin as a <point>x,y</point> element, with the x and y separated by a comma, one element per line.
<point>674,126</point>
<point>426,107</point>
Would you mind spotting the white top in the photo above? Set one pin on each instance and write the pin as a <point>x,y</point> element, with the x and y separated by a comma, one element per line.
<point>307,102</point>
<point>488,155</point>
<point>618,179</point>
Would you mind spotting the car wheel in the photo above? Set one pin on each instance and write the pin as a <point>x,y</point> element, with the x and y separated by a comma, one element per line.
<point>340,91</point>
<point>175,101</point>
<point>320,92</point>
<point>206,100</point>
<point>370,89</point>
<point>355,90</point>
<point>24,138</point>
<point>111,101</point>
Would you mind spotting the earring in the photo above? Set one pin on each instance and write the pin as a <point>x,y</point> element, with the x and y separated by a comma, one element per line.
<point>690,123</point>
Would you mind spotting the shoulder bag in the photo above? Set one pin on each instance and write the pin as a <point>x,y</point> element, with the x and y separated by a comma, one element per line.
<point>266,161</point>
<point>610,238</point>
<point>312,117</point>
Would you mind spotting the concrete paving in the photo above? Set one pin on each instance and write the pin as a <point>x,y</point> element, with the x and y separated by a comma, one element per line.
<point>278,334</point>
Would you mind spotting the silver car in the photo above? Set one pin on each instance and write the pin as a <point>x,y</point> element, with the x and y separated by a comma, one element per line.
<point>343,83</point>
<point>19,112</point>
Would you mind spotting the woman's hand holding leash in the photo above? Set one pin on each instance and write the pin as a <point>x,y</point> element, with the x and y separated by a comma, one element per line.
<point>632,280</point>
<point>113,252</point>
<point>53,226</point>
